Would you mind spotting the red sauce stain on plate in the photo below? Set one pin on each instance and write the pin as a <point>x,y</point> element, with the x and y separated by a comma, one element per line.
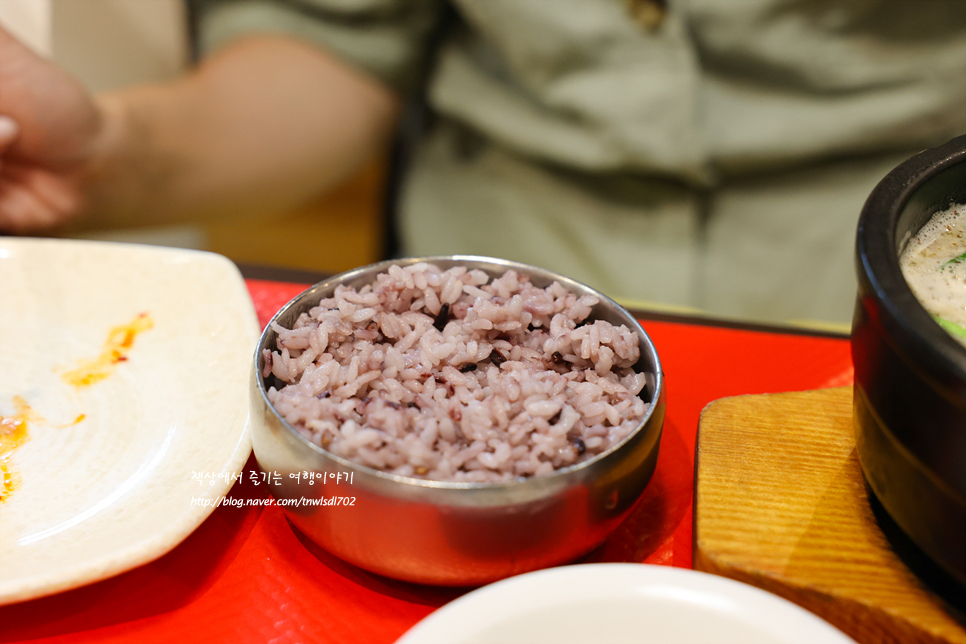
<point>13,429</point>
<point>13,434</point>
<point>119,341</point>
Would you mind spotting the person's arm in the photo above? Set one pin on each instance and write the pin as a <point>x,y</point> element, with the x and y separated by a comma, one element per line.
<point>260,127</point>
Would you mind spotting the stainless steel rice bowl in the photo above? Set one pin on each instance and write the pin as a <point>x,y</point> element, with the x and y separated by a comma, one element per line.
<point>445,532</point>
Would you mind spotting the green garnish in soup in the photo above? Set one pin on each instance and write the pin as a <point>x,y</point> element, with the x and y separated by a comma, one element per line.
<point>954,261</point>
<point>951,327</point>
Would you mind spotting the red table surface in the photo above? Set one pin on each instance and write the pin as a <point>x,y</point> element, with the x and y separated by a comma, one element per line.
<point>245,575</point>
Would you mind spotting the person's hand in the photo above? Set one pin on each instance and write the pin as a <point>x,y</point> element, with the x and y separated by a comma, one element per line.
<point>258,128</point>
<point>49,127</point>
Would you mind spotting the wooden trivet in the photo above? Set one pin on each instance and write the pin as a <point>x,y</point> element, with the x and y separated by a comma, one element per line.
<point>780,503</point>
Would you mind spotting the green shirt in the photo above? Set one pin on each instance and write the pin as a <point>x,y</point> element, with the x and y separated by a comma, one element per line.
<point>716,161</point>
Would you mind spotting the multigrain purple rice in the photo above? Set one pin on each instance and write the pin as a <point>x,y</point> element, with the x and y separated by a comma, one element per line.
<point>454,376</point>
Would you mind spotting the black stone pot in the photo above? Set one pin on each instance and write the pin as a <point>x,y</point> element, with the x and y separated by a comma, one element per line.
<point>910,376</point>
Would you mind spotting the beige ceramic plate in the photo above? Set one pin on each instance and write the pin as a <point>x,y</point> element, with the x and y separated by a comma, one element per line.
<point>121,450</point>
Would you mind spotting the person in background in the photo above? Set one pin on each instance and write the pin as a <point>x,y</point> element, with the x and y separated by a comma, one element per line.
<point>694,153</point>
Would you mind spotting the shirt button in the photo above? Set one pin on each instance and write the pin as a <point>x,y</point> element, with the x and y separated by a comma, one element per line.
<point>647,13</point>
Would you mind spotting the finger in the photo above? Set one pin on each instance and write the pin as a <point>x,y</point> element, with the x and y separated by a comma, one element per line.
<point>53,189</point>
<point>9,129</point>
<point>22,211</point>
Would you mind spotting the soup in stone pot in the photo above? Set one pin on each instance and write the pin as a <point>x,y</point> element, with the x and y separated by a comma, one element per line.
<point>934,265</point>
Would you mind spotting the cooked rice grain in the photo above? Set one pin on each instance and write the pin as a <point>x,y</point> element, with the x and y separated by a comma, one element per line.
<point>451,376</point>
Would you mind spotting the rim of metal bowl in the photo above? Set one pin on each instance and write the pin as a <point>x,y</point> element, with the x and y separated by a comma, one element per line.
<point>878,254</point>
<point>490,264</point>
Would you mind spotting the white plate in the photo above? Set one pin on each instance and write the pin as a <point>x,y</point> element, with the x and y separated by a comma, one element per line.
<point>108,472</point>
<point>617,603</point>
